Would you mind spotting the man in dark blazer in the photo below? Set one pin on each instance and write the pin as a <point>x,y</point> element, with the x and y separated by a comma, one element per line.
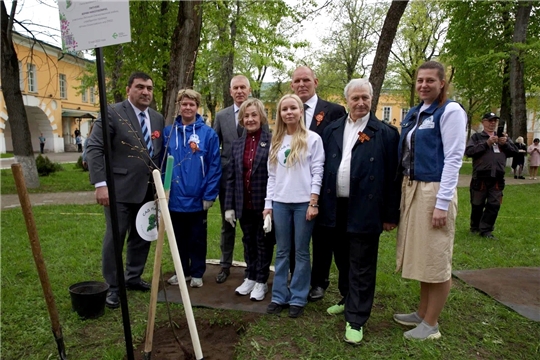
<point>359,199</point>
<point>228,129</point>
<point>318,114</point>
<point>134,155</point>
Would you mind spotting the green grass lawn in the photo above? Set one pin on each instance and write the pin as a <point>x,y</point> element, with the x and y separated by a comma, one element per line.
<point>6,155</point>
<point>474,326</point>
<point>70,179</point>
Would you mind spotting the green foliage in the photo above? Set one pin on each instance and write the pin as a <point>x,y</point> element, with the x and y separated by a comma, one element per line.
<point>79,164</point>
<point>45,166</point>
<point>348,44</point>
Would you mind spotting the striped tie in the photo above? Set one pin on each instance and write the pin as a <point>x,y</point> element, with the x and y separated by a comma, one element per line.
<point>146,134</point>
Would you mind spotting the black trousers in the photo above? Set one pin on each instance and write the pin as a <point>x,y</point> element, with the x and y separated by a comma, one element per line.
<point>356,259</point>
<point>258,246</point>
<point>228,234</point>
<point>486,200</point>
<point>322,244</point>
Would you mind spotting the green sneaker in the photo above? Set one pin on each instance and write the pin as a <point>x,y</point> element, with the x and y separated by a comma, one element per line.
<point>353,336</point>
<point>336,309</point>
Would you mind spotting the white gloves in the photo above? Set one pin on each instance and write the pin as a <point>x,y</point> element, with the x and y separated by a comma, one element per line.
<point>206,204</point>
<point>267,227</point>
<point>230,217</point>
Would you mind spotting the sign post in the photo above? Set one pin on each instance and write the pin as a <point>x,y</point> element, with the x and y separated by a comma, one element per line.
<point>93,25</point>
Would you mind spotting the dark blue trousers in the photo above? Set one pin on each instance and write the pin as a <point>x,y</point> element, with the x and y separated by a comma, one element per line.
<point>190,230</point>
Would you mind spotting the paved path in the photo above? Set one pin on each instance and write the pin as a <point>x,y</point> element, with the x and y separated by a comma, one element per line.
<point>65,157</point>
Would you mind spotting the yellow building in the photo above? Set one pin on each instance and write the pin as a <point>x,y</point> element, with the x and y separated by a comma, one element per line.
<point>55,105</point>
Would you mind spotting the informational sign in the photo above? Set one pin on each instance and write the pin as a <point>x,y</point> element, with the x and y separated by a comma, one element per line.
<point>147,221</point>
<point>90,24</point>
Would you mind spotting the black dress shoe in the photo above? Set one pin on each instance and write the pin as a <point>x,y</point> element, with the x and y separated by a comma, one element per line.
<point>295,311</point>
<point>112,300</point>
<point>223,275</point>
<point>316,293</point>
<point>140,286</point>
<point>275,308</point>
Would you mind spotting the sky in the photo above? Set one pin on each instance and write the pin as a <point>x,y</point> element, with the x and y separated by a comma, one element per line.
<point>45,13</point>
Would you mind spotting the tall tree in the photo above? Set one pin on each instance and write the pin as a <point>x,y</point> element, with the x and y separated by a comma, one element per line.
<point>386,39</point>
<point>20,131</point>
<point>185,43</point>
<point>420,37</point>
<point>517,72</point>
<point>348,45</point>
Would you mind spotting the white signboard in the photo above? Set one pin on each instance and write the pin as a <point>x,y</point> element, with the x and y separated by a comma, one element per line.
<point>147,221</point>
<point>91,24</point>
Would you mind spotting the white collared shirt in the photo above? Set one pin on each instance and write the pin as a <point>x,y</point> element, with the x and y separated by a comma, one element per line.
<point>146,116</point>
<point>350,136</point>
<point>236,109</point>
<point>310,112</point>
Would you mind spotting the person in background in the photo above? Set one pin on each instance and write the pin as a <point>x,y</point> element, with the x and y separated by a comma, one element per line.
<point>228,129</point>
<point>489,153</point>
<point>430,155</point>
<point>135,153</point>
<point>534,161</point>
<point>78,141</point>
<point>295,169</point>
<point>359,199</point>
<point>195,183</point>
<point>245,193</point>
<point>42,140</point>
<point>318,114</point>
<point>85,151</point>
<point>518,161</point>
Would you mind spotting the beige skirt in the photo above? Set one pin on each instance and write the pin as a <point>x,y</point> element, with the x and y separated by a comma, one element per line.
<point>423,252</point>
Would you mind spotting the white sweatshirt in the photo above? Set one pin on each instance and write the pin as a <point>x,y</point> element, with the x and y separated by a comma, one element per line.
<point>295,184</point>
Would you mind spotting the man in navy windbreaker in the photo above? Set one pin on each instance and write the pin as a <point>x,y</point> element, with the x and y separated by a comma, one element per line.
<point>195,183</point>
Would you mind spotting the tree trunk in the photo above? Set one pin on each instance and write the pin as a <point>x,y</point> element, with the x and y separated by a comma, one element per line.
<point>185,42</point>
<point>517,84</point>
<point>227,69</point>
<point>506,99</point>
<point>388,33</point>
<point>164,9</point>
<point>117,73</point>
<point>20,131</point>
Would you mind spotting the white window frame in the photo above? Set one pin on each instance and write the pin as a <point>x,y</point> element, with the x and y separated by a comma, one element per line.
<point>63,85</point>
<point>404,113</point>
<point>84,95</point>
<point>387,112</point>
<point>21,76</point>
<point>31,77</point>
<point>92,95</point>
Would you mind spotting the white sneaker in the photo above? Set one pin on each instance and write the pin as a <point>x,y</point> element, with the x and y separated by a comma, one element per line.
<point>246,287</point>
<point>196,282</point>
<point>173,280</point>
<point>259,291</point>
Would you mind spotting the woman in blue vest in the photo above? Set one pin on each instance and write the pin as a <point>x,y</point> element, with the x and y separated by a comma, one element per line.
<point>431,148</point>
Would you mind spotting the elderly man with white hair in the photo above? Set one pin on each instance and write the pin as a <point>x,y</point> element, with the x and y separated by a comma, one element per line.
<point>359,199</point>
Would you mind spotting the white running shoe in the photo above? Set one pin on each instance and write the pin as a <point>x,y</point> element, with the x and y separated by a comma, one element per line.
<point>246,287</point>
<point>259,291</point>
<point>173,280</point>
<point>196,282</point>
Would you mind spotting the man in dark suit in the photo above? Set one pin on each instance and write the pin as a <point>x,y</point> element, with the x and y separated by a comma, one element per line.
<point>228,129</point>
<point>136,144</point>
<point>318,114</point>
<point>359,199</point>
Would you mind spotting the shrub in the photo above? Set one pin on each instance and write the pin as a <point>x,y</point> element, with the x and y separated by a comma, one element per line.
<point>45,166</point>
<point>79,164</point>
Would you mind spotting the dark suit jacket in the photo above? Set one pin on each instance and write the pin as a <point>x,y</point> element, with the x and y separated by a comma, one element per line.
<point>131,164</point>
<point>234,195</point>
<point>375,189</point>
<point>329,112</point>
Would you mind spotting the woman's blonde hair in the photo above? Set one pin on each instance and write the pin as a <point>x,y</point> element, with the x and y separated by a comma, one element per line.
<point>519,140</point>
<point>187,93</point>
<point>258,105</point>
<point>299,140</point>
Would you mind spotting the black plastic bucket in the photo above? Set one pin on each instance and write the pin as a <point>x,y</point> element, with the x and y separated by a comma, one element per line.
<point>88,298</point>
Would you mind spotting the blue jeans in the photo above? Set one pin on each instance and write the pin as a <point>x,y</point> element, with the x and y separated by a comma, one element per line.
<point>285,215</point>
